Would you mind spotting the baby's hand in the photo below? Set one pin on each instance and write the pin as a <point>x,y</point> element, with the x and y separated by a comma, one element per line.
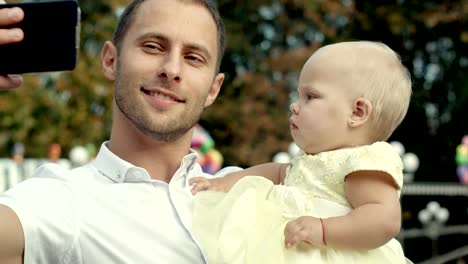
<point>304,228</point>
<point>203,184</point>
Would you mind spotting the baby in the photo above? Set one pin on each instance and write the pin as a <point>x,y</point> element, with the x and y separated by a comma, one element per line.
<point>338,202</point>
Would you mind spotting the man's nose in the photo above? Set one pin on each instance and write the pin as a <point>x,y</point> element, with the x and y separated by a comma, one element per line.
<point>171,68</point>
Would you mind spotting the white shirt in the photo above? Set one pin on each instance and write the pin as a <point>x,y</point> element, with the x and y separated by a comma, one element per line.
<point>107,211</point>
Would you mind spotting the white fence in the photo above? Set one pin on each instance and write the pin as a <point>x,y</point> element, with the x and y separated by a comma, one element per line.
<point>12,173</point>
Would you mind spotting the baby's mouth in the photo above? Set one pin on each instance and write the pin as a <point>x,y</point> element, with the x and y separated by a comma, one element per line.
<point>292,125</point>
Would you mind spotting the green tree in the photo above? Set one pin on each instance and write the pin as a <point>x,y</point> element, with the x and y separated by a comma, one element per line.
<point>269,41</point>
<point>69,108</point>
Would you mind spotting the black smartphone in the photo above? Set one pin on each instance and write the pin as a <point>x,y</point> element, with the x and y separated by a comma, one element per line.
<point>51,38</point>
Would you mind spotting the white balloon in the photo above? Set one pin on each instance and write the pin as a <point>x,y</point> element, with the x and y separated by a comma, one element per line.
<point>442,215</point>
<point>424,216</point>
<point>410,162</point>
<point>293,149</point>
<point>282,157</point>
<point>400,149</point>
<point>79,155</point>
<point>433,207</point>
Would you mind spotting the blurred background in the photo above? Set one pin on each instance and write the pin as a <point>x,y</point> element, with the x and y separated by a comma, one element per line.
<point>268,41</point>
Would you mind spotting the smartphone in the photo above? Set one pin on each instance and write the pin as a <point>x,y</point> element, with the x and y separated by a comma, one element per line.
<point>51,38</point>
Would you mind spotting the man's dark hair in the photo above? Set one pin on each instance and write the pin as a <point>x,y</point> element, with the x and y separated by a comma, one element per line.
<point>128,16</point>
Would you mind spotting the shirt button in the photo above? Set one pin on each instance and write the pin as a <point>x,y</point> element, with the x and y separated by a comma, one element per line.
<point>138,174</point>
<point>118,174</point>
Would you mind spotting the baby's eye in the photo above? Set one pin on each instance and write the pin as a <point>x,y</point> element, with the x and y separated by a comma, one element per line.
<point>310,96</point>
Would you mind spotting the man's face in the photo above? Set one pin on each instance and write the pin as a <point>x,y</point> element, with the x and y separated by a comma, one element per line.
<point>165,73</point>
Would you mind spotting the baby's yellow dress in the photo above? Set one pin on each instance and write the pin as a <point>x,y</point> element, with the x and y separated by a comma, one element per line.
<point>246,225</point>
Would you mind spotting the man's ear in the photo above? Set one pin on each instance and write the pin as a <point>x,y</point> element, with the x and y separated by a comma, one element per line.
<point>362,110</point>
<point>214,90</point>
<point>109,59</point>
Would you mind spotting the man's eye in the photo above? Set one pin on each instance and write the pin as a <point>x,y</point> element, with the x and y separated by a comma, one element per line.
<point>152,46</point>
<point>193,58</point>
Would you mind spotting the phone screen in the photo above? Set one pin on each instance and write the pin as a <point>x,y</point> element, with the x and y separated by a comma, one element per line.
<point>51,38</point>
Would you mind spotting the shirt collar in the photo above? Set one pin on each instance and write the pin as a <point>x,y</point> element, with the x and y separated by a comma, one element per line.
<point>119,170</point>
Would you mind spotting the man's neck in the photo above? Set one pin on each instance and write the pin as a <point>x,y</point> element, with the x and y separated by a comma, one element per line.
<point>160,159</point>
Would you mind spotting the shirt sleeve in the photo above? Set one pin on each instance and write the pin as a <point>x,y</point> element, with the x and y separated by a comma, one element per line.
<point>44,205</point>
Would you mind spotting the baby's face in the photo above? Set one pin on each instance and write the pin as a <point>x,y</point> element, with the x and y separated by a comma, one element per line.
<point>320,116</point>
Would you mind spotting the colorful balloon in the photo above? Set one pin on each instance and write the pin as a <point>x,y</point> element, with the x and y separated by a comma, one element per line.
<point>461,158</point>
<point>212,162</point>
<point>210,159</point>
<point>462,173</point>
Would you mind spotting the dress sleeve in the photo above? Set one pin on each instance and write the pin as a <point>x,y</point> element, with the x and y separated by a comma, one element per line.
<point>44,205</point>
<point>379,156</point>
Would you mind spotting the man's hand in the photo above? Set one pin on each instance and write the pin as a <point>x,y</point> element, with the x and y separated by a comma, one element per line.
<point>10,81</point>
<point>304,229</point>
<point>9,16</point>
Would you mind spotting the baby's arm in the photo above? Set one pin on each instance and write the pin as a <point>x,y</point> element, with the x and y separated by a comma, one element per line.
<point>375,219</point>
<point>275,172</point>
<point>376,214</point>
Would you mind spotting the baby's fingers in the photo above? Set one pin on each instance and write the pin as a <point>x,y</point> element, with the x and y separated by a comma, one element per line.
<point>291,234</point>
<point>296,231</point>
<point>196,180</point>
<point>292,240</point>
<point>199,184</point>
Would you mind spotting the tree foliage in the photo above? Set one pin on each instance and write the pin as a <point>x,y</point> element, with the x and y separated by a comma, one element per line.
<point>272,39</point>
<point>69,108</point>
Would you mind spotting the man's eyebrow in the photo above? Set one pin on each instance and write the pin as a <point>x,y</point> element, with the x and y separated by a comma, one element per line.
<point>153,35</point>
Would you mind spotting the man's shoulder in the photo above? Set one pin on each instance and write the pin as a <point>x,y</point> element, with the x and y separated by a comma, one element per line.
<point>51,170</point>
<point>58,172</point>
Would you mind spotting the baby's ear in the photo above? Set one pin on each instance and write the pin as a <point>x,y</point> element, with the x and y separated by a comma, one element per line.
<point>362,109</point>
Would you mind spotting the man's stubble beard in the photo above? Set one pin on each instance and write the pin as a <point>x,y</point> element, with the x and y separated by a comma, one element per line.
<point>170,131</point>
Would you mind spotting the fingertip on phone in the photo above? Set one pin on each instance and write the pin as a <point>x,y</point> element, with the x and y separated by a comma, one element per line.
<point>16,34</point>
<point>16,14</point>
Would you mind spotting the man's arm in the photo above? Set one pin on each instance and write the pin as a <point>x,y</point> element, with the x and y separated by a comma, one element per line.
<point>11,237</point>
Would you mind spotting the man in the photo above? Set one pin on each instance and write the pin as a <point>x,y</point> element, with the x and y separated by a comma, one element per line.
<point>133,203</point>
<point>10,16</point>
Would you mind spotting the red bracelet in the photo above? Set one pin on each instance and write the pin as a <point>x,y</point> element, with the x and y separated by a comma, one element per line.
<point>323,233</point>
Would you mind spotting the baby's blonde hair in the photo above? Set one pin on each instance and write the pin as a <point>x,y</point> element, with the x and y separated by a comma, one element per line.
<point>379,76</point>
